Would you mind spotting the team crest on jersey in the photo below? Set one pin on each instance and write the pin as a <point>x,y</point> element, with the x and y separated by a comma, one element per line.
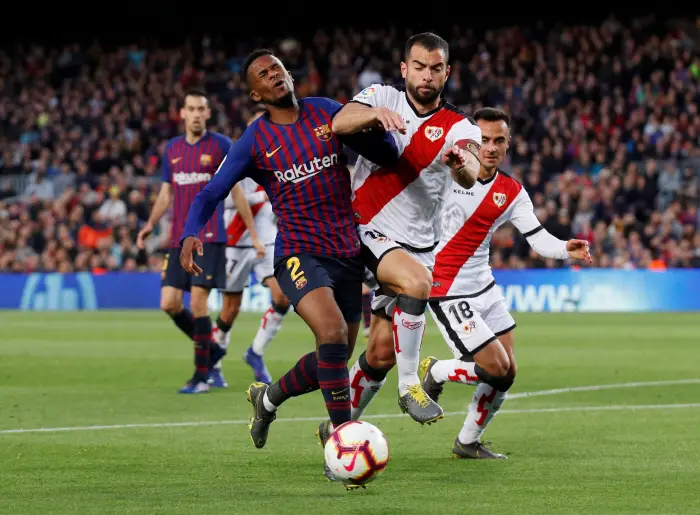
<point>323,132</point>
<point>205,160</point>
<point>469,327</point>
<point>499,199</point>
<point>301,282</point>
<point>434,133</point>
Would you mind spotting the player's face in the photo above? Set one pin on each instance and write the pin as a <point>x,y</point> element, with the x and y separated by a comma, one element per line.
<point>270,82</point>
<point>425,72</point>
<point>495,139</point>
<point>195,112</point>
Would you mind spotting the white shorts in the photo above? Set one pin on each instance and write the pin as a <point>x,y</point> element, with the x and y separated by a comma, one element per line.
<point>468,324</point>
<point>375,246</point>
<point>240,261</point>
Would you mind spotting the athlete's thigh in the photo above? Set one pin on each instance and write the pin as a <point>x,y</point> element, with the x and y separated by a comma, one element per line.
<point>385,297</point>
<point>494,311</point>
<point>461,326</point>
<point>300,274</point>
<point>264,268</point>
<point>172,274</point>
<point>239,263</point>
<point>347,275</point>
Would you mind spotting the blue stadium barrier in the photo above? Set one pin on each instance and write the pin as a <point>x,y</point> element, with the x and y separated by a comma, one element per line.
<point>562,290</point>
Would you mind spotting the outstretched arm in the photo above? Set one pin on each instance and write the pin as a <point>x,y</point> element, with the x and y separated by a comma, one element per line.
<point>541,241</point>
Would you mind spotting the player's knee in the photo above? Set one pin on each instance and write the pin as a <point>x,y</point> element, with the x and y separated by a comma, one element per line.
<point>501,382</point>
<point>416,282</point>
<point>170,306</point>
<point>333,333</point>
<point>512,369</point>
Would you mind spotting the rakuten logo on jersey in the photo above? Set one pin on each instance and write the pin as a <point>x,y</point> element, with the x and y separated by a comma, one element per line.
<point>183,178</point>
<point>302,172</point>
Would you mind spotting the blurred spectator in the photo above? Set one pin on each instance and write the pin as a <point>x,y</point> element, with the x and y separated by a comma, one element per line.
<point>605,134</point>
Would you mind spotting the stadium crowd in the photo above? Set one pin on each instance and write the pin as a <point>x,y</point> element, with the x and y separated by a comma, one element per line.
<point>606,135</point>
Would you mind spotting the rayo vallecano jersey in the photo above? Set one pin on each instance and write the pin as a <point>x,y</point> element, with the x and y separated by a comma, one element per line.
<point>469,219</point>
<point>265,220</point>
<point>403,202</point>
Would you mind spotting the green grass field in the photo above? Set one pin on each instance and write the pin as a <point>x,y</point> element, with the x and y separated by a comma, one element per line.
<point>621,450</point>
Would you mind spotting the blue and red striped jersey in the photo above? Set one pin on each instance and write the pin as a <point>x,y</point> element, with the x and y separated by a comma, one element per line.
<point>189,168</point>
<point>303,169</point>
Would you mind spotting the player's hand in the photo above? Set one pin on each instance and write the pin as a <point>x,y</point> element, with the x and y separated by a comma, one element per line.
<point>259,247</point>
<point>143,234</point>
<point>578,249</point>
<point>189,247</point>
<point>454,157</point>
<point>389,120</point>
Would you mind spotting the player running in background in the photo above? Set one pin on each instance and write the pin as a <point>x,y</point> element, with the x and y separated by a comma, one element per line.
<point>397,208</point>
<point>294,154</point>
<point>189,162</point>
<point>467,307</point>
<point>243,255</point>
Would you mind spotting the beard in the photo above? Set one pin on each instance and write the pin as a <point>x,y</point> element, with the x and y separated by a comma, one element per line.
<point>423,97</point>
<point>287,100</point>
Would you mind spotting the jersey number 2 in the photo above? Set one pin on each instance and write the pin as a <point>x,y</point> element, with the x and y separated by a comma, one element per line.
<point>293,264</point>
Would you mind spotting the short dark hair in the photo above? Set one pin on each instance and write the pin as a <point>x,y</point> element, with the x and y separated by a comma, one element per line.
<point>252,57</point>
<point>194,92</point>
<point>429,41</point>
<point>492,114</point>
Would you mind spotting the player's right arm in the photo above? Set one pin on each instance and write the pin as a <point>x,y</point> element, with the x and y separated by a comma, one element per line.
<point>237,164</point>
<point>162,203</point>
<point>547,245</point>
<point>243,208</point>
<point>367,111</point>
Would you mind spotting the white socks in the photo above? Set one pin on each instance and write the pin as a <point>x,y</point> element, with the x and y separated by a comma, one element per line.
<point>362,390</point>
<point>485,404</point>
<point>408,336</point>
<point>270,324</point>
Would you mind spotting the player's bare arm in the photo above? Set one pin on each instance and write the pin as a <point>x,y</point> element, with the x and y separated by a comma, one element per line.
<point>160,206</point>
<point>463,163</point>
<point>243,208</point>
<point>355,117</point>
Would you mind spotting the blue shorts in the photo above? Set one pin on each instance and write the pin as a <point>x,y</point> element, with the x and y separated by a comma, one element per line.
<point>212,263</point>
<point>299,274</point>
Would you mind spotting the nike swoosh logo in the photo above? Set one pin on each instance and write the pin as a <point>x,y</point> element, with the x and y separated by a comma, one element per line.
<point>354,458</point>
<point>176,160</point>
<point>270,154</point>
<point>339,391</point>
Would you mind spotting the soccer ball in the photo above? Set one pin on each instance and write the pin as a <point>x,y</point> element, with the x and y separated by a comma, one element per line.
<point>356,452</point>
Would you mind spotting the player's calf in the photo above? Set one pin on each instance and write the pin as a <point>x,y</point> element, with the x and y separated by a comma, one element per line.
<point>201,334</point>
<point>171,304</point>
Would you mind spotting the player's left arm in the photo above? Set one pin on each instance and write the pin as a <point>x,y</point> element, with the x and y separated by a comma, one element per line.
<point>376,145</point>
<point>243,208</point>
<point>235,166</point>
<point>545,244</point>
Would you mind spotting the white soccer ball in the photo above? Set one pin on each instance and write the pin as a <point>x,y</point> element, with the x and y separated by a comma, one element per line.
<point>357,452</point>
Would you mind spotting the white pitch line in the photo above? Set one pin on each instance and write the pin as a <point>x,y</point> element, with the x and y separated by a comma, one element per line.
<point>556,391</point>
